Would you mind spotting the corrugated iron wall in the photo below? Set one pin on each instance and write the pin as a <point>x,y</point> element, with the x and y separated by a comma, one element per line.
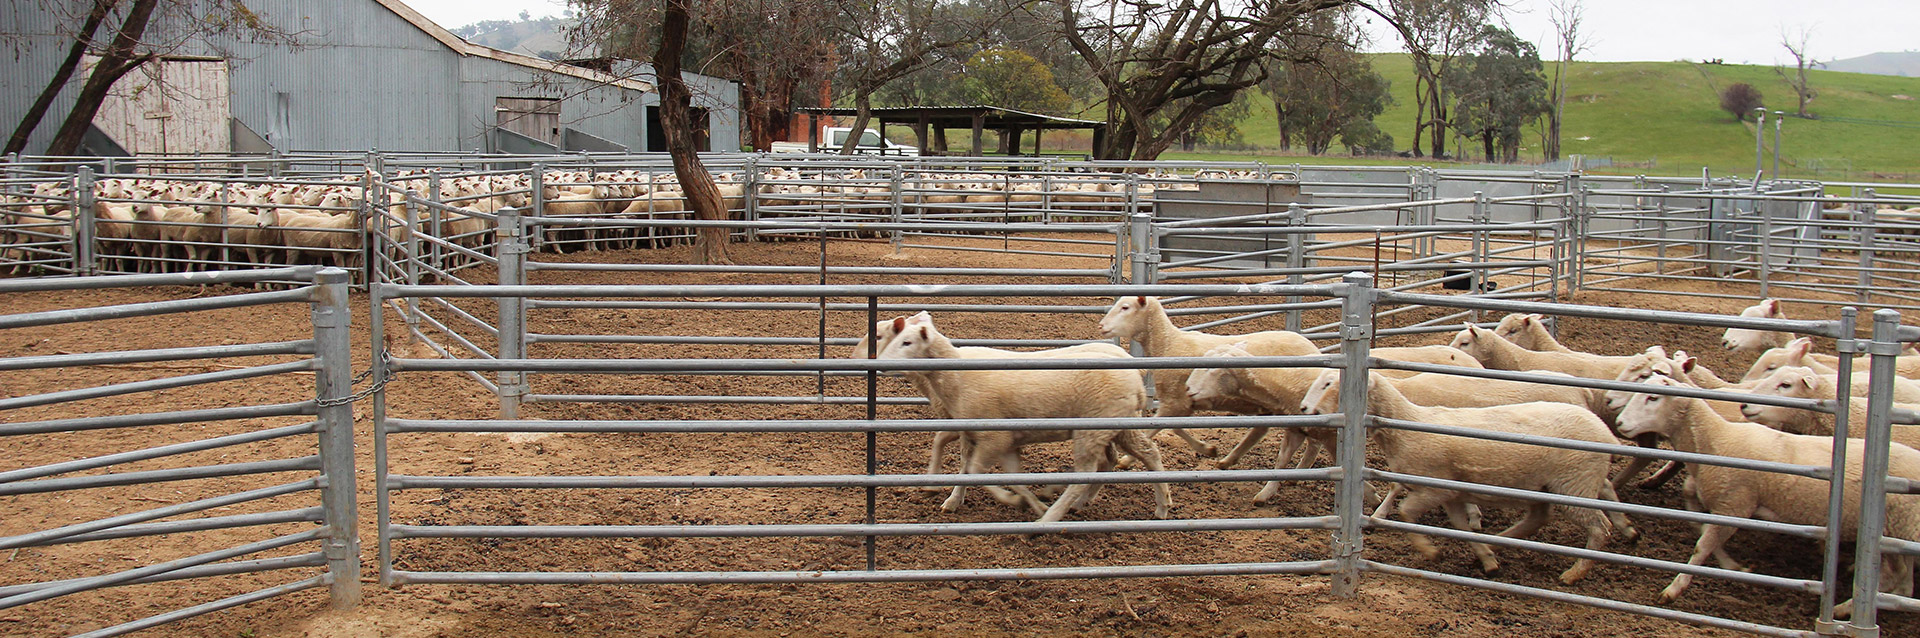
<point>359,77</point>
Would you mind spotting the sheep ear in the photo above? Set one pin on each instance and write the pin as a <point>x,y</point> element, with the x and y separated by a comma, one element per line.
<point>1142,299</point>
<point>1800,347</point>
<point>1807,381</point>
<point>1536,318</point>
<point>923,332</point>
<point>1687,363</point>
<point>1772,307</point>
<point>899,324</point>
<point>1657,351</point>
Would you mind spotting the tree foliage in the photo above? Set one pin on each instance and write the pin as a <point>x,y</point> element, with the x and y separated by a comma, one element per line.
<point>1013,79</point>
<point>1740,100</point>
<point>1499,89</point>
<point>1435,33</point>
<point>1322,87</point>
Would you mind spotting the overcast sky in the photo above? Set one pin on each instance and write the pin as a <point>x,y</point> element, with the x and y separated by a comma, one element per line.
<point>1744,32</point>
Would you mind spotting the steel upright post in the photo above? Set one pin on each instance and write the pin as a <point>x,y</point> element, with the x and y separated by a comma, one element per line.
<point>1869,215</point>
<point>436,219</point>
<point>1759,139</point>
<point>1837,488</point>
<point>510,248</point>
<point>1661,214</point>
<point>83,219</point>
<point>1477,274</point>
<point>333,383</point>
<point>1873,474</point>
<point>537,203</point>
<point>894,183</point>
<point>1356,340</point>
<point>1296,243</point>
<point>749,196</point>
<point>1140,231</point>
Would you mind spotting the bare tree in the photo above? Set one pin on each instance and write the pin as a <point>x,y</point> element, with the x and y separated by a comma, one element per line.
<point>1434,33</point>
<point>676,121</point>
<point>1796,44</point>
<point>1566,17</point>
<point>82,40</point>
<point>1164,65</point>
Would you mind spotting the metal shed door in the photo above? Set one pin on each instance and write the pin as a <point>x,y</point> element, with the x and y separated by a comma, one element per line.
<point>535,117</point>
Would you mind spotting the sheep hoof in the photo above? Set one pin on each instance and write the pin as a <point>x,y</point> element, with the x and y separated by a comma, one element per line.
<point>1572,576</point>
<point>1490,566</point>
<point>1630,535</point>
<point>1669,595</point>
<point>950,506</point>
<point>1209,450</point>
<point>1222,464</point>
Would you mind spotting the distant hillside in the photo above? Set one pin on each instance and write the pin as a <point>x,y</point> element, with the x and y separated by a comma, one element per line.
<point>543,37</point>
<point>1903,63</point>
<point>1665,117</point>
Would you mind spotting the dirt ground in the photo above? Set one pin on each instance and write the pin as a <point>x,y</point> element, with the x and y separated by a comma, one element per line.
<point>1212,606</point>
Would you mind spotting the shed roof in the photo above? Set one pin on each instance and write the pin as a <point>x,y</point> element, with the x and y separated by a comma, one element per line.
<point>466,48</point>
<point>962,116</point>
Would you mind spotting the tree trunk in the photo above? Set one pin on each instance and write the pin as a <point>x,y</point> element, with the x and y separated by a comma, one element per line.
<point>38,111</point>
<point>1280,119</point>
<point>863,112</point>
<point>1486,139</point>
<point>118,59</point>
<point>710,244</point>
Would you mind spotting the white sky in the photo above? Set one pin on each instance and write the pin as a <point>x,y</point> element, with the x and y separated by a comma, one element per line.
<point>1743,32</point>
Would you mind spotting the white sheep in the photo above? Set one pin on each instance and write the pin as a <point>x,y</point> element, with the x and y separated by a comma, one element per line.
<point>1529,331</point>
<point>1803,383</point>
<point>1497,353</point>
<point>1799,352</point>
<point>1010,394</point>
<point>1750,340</point>
<point>1797,500</point>
<point>1512,465</point>
<point>1144,321</point>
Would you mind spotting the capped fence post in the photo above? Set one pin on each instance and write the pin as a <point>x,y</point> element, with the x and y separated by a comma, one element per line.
<point>83,230</point>
<point>510,248</point>
<point>893,208</point>
<point>1660,265</point>
<point>1296,243</point>
<point>436,219</point>
<point>1836,492</point>
<point>1477,275</point>
<point>412,269</point>
<point>749,195</point>
<point>1873,474</point>
<point>333,383</point>
<point>537,202</point>
<point>1356,340</point>
<point>1145,248</point>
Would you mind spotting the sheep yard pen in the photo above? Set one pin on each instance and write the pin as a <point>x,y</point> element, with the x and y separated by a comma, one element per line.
<point>557,398</point>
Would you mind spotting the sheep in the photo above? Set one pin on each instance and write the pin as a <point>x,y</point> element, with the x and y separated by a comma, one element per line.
<point>993,394</point>
<point>1143,320</point>
<point>1749,340</point>
<point>884,333</point>
<point>1784,498</point>
<point>1497,353</point>
<point>1529,331</point>
<point>1513,465</point>
<point>1803,383</point>
<point>1797,353</point>
<point>1436,355</point>
<point>1280,389</point>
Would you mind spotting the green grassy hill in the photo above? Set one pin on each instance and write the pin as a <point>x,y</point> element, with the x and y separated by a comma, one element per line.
<point>1664,117</point>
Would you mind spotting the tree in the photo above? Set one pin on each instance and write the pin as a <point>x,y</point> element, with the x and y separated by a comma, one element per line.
<point>1566,16</point>
<point>1499,89</point>
<point>82,40</point>
<point>1015,80</point>
<point>1739,100</point>
<point>1163,66</point>
<point>1322,87</point>
<point>885,40</point>
<point>676,121</point>
<point>1434,33</point>
<point>1796,45</point>
<point>774,48</point>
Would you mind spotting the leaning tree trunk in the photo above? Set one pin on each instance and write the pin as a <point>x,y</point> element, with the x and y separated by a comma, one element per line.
<point>38,111</point>
<point>710,244</point>
<point>118,59</point>
<point>863,113</point>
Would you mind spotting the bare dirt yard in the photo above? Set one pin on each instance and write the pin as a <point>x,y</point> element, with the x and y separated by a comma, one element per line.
<point>1209,606</point>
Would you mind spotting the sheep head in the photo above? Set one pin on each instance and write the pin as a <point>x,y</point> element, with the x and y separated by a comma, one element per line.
<point>917,341</point>
<point>1795,353</point>
<point>1473,340</point>
<point>1127,317</point>
<point>1647,413</point>
<point>1209,385</point>
<point>1516,323</point>
<point>1641,368</point>
<point>1748,340</point>
<point>1798,382</point>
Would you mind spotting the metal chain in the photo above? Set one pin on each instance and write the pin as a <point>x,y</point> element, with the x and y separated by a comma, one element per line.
<point>385,356</point>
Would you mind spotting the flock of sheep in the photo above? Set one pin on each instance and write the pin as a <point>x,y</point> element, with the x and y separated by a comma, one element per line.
<point>170,225</point>
<point>1521,342</point>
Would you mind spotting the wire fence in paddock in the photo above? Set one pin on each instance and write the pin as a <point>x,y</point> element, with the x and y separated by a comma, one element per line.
<point>887,547</point>
<point>322,532</point>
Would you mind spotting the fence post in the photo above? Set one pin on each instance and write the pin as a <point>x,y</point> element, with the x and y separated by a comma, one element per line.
<point>1296,242</point>
<point>1582,227</point>
<point>1766,244</point>
<point>436,218</point>
<point>536,203</point>
<point>1356,340</point>
<point>510,248</point>
<point>1660,266</point>
<point>1140,230</point>
<point>1873,474</point>
<point>1869,212</point>
<point>83,232</point>
<point>894,184</point>
<point>412,269</point>
<point>1836,493</point>
<point>749,195</point>
<point>333,348</point>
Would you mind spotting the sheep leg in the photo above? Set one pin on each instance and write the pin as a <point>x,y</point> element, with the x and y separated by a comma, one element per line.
<point>1621,524</point>
<point>1457,514</point>
<point>1660,477</point>
<point>1143,448</point>
<point>1247,442</point>
<point>1597,535</point>
<point>1418,502</point>
<point>940,442</point>
<point>1199,447</point>
<point>1712,537</point>
<point>958,495</point>
<point>1174,402</point>
<point>1638,463</point>
<point>1288,447</point>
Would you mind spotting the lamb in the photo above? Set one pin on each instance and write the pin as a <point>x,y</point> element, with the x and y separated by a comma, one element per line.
<point>993,394</point>
<point>884,333</point>
<point>1497,353</point>
<point>1799,353</point>
<point>1749,340</point>
<point>1803,383</point>
<point>1789,499</point>
<point>1436,355</point>
<point>1144,321</point>
<point>1513,465</point>
<point>1279,389</point>
<point>1529,331</point>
